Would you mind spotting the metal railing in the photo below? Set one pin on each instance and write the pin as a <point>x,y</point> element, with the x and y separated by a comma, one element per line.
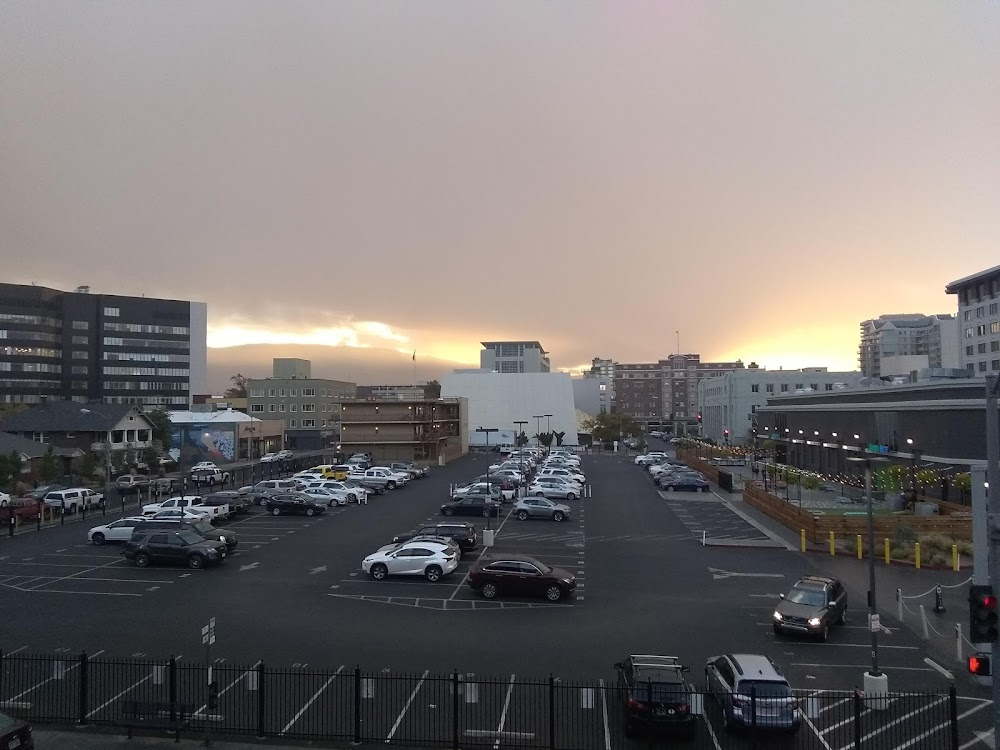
<point>448,710</point>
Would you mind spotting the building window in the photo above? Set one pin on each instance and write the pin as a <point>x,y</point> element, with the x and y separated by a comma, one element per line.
<point>981,329</point>
<point>979,311</point>
<point>993,308</point>
<point>81,340</point>
<point>293,391</point>
<point>799,386</point>
<point>308,391</point>
<point>968,332</point>
<point>256,393</point>
<point>995,364</point>
<point>982,348</point>
<point>755,388</point>
<point>292,423</point>
<point>970,349</point>
<point>281,392</point>
<point>995,327</point>
<point>784,387</point>
<point>271,408</point>
<point>995,346</point>
<point>79,370</point>
<point>293,407</point>
<point>769,387</point>
<point>111,312</point>
<point>81,325</point>
<point>281,407</point>
<point>257,408</point>
<point>308,407</point>
<point>308,422</point>
<point>829,386</point>
<point>982,366</point>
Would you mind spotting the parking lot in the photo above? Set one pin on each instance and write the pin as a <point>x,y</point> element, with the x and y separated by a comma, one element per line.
<point>294,596</point>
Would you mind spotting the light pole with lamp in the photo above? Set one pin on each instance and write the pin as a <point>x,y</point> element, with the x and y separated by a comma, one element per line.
<point>488,430</point>
<point>519,426</point>
<point>538,429</point>
<point>876,683</point>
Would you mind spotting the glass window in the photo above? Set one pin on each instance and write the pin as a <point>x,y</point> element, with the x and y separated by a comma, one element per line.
<point>81,325</point>
<point>981,330</point>
<point>982,348</point>
<point>968,332</point>
<point>293,391</point>
<point>982,366</point>
<point>995,327</point>
<point>257,408</point>
<point>995,364</point>
<point>755,388</point>
<point>111,312</point>
<point>970,349</point>
<point>270,392</point>
<point>784,387</point>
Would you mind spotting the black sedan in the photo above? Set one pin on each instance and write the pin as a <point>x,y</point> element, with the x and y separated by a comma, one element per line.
<point>472,506</point>
<point>296,504</point>
<point>685,483</point>
<point>520,575</point>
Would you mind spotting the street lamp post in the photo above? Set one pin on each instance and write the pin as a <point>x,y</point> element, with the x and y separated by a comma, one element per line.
<point>519,428</point>
<point>538,429</point>
<point>487,430</point>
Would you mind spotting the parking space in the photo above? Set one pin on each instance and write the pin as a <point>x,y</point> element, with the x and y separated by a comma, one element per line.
<point>710,518</point>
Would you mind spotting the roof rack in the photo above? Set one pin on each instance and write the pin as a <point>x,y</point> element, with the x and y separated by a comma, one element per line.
<point>652,660</point>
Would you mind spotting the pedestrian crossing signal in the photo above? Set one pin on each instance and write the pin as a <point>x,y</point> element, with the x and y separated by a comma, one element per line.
<point>979,665</point>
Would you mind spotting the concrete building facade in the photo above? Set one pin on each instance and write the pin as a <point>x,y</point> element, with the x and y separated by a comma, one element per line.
<point>979,321</point>
<point>603,371</point>
<point>587,396</point>
<point>729,402</point>
<point>309,407</point>
<point>894,345</point>
<point>514,357</point>
<point>87,347</point>
<point>405,430</point>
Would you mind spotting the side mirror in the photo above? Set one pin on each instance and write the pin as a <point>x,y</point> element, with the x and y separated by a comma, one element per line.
<point>685,669</point>
<point>781,596</point>
<point>831,603</point>
<point>619,665</point>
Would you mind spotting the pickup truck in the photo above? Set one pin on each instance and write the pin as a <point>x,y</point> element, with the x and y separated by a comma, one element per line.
<point>192,502</point>
<point>404,467</point>
<point>73,499</point>
<point>378,478</point>
<point>210,476</point>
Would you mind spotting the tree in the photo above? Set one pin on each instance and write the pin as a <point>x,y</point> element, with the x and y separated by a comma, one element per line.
<point>545,438</point>
<point>88,464</point>
<point>238,388</point>
<point>160,419</point>
<point>963,483</point>
<point>607,427</point>
<point>48,467</point>
<point>559,437</point>
<point>432,390</point>
<point>151,457</point>
<point>521,439</point>
<point>10,467</point>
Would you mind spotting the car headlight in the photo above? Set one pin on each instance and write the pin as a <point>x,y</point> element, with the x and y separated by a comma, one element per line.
<point>222,538</point>
<point>778,617</point>
<point>814,622</point>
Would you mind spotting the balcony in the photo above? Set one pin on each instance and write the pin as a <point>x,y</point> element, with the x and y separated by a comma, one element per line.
<point>350,416</point>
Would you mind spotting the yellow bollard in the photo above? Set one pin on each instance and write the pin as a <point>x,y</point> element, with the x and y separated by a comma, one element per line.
<point>833,549</point>
<point>802,539</point>
<point>916,555</point>
<point>954,557</point>
<point>886,551</point>
<point>859,547</point>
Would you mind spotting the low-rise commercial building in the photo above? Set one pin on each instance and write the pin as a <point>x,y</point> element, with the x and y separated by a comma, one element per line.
<point>405,430</point>
<point>222,436</point>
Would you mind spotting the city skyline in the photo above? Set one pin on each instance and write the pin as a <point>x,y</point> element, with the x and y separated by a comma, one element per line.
<point>423,177</point>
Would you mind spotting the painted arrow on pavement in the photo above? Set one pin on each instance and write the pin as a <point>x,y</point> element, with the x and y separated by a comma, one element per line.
<point>718,574</point>
<point>320,569</point>
<point>251,566</point>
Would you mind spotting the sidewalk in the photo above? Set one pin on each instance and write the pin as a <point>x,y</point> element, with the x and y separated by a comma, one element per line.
<point>72,738</point>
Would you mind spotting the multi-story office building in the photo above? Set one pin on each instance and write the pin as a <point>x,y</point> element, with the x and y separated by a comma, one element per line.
<point>603,371</point>
<point>894,345</point>
<point>729,402</point>
<point>405,430</point>
<point>309,407</point>
<point>514,356</point>
<point>663,395</point>
<point>87,347</point>
<point>390,392</point>
<point>979,321</point>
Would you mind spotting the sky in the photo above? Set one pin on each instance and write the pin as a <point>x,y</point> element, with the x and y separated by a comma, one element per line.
<point>599,176</point>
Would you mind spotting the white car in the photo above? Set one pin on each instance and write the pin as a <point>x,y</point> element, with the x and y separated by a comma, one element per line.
<point>284,455</point>
<point>353,492</point>
<point>401,477</point>
<point>426,558</point>
<point>174,503</point>
<point>647,458</point>
<point>73,500</point>
<point>204,466</point>
<point>116,531</point>
<point>328,496</point>
<point>567,474</point>
<point>268,458</point>
<point>181,514</point>
<point>553,487</point>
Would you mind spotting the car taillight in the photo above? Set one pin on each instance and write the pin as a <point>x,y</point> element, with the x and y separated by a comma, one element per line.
<point>793,703</point>
<point>684,708</point>
<point>740,701</point>
<point>636,705</point>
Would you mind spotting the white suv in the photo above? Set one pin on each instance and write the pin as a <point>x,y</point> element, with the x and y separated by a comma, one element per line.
<point>421,557</point>
<point>74,499</point>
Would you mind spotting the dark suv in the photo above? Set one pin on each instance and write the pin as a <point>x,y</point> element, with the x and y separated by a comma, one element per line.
<point>183,547</point>
<point>237,503</point>
<point>655,692</point>
<point>202,528</point>
<point>811,607</point>
<point>463,534</point>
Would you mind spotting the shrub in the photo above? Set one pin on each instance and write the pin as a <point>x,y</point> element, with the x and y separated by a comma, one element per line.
<point>904,535</point>
<point>936,543</point>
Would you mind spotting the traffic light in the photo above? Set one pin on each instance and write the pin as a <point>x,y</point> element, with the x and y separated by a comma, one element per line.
<point>979,664</point>
<point>982,614</point>
<point>726,433</point>
<point>699,417</point>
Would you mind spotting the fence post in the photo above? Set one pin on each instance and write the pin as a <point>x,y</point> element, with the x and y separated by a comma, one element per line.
<point>454,710</point>
<point>552,712</point>
<point>83,687</point>
<point>357,705</point>
<point>958,642</point>
<point>41,514</point>
<point>261,705</point>
<point>899,604</point>
<point>953,714</point>
<point>858,707</point>
<point>172,690</point>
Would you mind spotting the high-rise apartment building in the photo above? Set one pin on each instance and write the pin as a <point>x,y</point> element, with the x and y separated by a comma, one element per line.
<point>894,345</point>
<point>106,348</point>
<point>663,395</point>
<point>514,356</point>
<point>603,370</point>
<point>979,321</point>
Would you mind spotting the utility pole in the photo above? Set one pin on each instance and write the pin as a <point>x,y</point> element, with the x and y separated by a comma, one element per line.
<point>993,507</point>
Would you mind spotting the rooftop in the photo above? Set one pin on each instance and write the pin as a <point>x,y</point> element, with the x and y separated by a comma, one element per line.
<point>954,286</point>
<point>222,416</point>
<point>67,416</point>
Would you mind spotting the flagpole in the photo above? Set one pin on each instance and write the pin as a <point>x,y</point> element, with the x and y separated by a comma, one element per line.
<point>414,367</point>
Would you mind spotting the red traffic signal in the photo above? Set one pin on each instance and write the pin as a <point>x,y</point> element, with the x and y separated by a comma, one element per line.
<point>725,432</point>
<point>983,621</point>
<point>979,664</point>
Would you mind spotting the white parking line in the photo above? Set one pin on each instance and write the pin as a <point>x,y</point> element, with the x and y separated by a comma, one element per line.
<point>819,736</point>
<point>226,689</point>
<point>399,719</point>
<point>978,738</point>
<point>604,713</point>
<point>503,714</point>
<point>74,575</point>
<point>900,720</point>
<point>50,679</point>
<point>316,695</point>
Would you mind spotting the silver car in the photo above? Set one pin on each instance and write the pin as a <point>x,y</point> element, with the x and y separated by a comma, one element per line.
<point>552,487</point>
<point>540,507</point>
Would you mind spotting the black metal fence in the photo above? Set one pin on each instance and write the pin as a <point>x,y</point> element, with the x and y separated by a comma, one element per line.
<point>440,710</point>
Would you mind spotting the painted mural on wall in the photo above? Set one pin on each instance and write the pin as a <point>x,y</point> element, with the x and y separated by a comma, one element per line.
<point>203,442</point>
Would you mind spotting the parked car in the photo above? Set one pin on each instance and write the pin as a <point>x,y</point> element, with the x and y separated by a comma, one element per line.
<point>183,547</point>
<point>177,503</point>
<point>237,503</point>
<point>210,476</point>
<point>15,733</point>
<point>353,492</point>
<point>540,507</point>
<point>40,492</point>
<point>811,607</point>
<point>462,533</point>
<point>520,575</point>
<point>204,466</point>
<point>197,525</point>
<point>131,483</point>
<point>401,467</point>
<point>472,506</point>
<point>180,514</point>
<point>751,692</point>
<point>116,531</point>
<point>285,455</point>
<point>268,458</point>
<point>165,485</point>
<point>482,489</point>
<point>646,458</point>
<point>554,488</point>
<point>685,483</point>
<point>426,558</point>
<point>23,508</point>
<point>655,693</point>
<point>73,500</point>
<point>267,488</point>
<point>329,497</point>
<point>294,504</point>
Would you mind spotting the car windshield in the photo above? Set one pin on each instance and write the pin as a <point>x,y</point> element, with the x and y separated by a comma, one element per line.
<point>203,527</point>
<point>765,688</point>
<point>189,537</point>
<point>808,597</point>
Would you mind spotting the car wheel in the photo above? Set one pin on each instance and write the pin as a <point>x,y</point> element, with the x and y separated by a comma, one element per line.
<point>557,516</point>
<point>489,590</point>
<point>352,498</point>
<point>433,573</point>
<point>571,496</point>
<point>669,488</point>
<point>263,500</point>
<point>553,593</point>
<point>276,511</point>
<point>310,512</point>
<point>539,494</point>
<point>704,489</point>
<point>98,538</point>
<point>522,515</point>
<point>391,485</point>
<point>196,562</point>
<point>142,560</point>
<point>448,511</point>
<point>379,571</point>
